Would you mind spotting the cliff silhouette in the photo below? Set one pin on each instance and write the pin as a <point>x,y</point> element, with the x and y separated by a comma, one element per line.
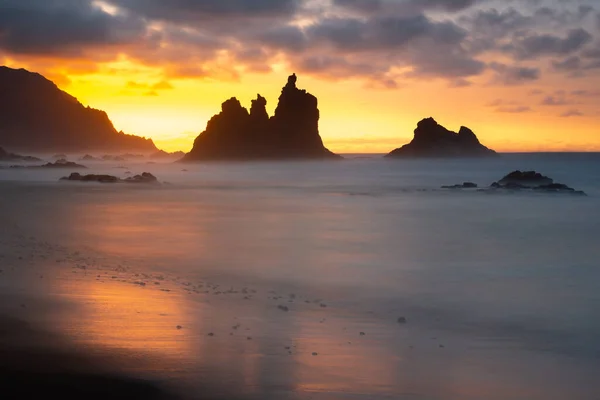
<point>433,140</point>
<point>35,115</point>
<point>292,133</point>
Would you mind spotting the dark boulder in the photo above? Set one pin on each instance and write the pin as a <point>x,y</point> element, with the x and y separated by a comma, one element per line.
<point>145,177</point>
<point>433,140</point>
<point>527,179</point>
<point>466,185</point>
<point>236,134</point>
<point>532,181</point>
<point>75,176</point>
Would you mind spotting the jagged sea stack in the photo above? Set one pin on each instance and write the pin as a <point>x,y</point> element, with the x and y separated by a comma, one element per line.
<point>236,134</point>
<point>433,140</point>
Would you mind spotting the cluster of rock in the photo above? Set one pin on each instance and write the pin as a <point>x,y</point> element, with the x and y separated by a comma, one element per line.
<point>292,133</point>
<point>433,140</point>
<point>6,156</point>
<point>145,177</point>
<point>519,180</point>
<point>58,164</point>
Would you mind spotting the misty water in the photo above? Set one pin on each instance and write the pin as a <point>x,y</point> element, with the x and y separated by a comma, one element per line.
<point>232,275</point>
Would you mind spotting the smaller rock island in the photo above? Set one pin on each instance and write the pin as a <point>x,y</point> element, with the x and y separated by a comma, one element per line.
<point>292,133</point>
<point>433,140</point>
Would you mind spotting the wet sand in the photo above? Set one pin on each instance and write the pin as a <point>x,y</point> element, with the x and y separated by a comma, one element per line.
<point>272,294</point>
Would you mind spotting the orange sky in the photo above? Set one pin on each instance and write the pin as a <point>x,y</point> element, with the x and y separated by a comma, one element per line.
<point>358,113</point>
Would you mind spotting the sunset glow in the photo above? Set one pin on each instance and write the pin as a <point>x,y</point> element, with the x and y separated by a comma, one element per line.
<point>524,77</point>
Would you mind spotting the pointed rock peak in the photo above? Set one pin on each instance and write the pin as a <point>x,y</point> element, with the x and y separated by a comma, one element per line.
<point>231,105</point>
<point>260,102</point>
<point>427,122</point>
<point>292,79</point>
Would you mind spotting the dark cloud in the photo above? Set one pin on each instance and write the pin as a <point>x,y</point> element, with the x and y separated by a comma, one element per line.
<point>66,27</point>
<point>380,41</point>
<point>364,6</point>
<point>572,113</point>
<point>514,75</point>
<point>514,109</point>
<point>555,101</point>
<point>532,45</point>
<point>193,11</point>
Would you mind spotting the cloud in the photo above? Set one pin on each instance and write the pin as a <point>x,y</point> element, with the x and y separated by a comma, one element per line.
<point>514,110</point>
<point>532,45</point>
<point>194,11</point>
<point>554,101</point>
<point>514,75</point>
<point>65,28</point>
<point>572,113</point>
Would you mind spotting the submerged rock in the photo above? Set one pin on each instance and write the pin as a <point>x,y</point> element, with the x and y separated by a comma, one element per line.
<point>527,179</point>
<point>433,140</point>
<point>75,176</point>
<point>532,180</point>
<point>292,133</point>
<point>58,164</point>
<point>6,156</point>
<point>466,185</point>
<point>145,177</point>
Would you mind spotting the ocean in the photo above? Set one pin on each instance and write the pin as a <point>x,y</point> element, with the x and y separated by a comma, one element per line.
<point>353,279</point>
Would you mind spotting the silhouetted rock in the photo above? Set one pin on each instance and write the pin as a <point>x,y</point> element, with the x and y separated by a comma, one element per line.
<point>145,177</point>
<point>527,179</point>
<point>236,134</point>
<point>35,115</point>
<point>5,156</point>
<point>532,180</point>
<point>88,157</point>
<point>109,157</point>
<point>433,140</point>
<point>91,178</point>
<point>163,155</point>
<point>466,185</point>
<point>57,164</point>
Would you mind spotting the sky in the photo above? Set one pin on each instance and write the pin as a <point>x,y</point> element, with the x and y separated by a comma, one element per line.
<point>523,74</point>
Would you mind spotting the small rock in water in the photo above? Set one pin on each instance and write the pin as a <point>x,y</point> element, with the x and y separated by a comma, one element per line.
<point>323,305</point>
<point>362,334</point>
<point>283,308</point>
<point>179,327</point>
<point>211,334</point>
<point>315,354</point>
<point>249,338</point>
<point>402,320</point>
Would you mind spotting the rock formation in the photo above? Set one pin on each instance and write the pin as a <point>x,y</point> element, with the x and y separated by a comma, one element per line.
<point>236,134</point>
<point>35,115</point>
<point>522,181</point>
<point>163,155</point>
<point>527,179</point>
<point>145,177</point>
<point>6,156</point>
<point>433,140</point>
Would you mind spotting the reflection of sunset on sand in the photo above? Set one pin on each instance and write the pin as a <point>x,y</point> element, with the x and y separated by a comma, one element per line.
<point>365,281</point>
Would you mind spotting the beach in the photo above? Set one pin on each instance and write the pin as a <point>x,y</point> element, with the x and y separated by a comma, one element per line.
<point>357,279</point>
